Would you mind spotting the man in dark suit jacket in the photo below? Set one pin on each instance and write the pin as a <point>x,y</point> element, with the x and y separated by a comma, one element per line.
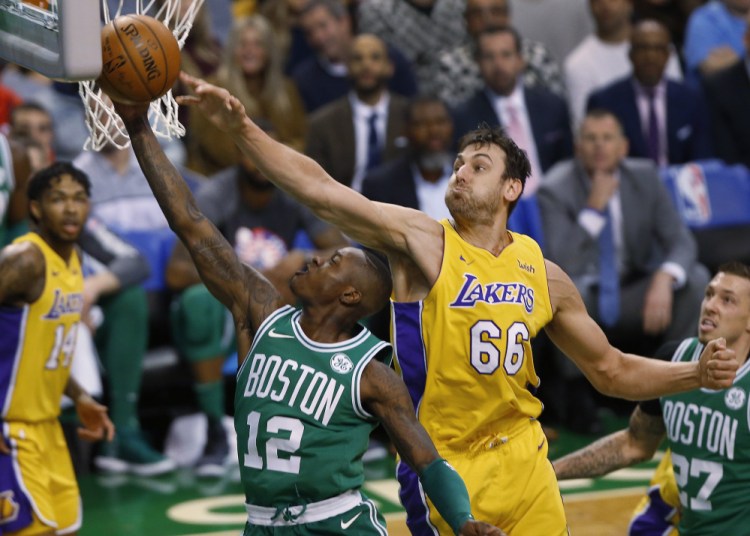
<point>501,66</point>
<point>681,120</point>
<point>660,281</point>
<point>729,101</point>
<point>418,178</point>
<point>338,132</point>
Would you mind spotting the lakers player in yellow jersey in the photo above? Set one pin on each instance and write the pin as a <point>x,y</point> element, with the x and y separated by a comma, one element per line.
<point>468,297</point>
<point>41,299</point>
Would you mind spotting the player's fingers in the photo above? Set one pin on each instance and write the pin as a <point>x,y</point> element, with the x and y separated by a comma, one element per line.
<point>91,435</point>
<point>4,449</point>
<point>187,100</point>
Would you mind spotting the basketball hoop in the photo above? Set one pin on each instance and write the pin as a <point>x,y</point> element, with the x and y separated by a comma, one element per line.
<point>105,126</point>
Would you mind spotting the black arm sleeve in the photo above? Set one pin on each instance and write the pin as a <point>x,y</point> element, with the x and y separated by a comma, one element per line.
<point>665,353</point>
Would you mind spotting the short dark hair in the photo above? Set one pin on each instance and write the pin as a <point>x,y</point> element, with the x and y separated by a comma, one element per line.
<point>735,268</point>
<point>498,29</point>
<point>421,99</point>
<point>42,180</point>
<point>381,283</point>
<point>517,165</point>
<point>28,107</point>
<point>334,7</point>
<point>601,113</point>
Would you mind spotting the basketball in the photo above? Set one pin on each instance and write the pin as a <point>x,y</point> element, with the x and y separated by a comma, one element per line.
<point>140,59</point>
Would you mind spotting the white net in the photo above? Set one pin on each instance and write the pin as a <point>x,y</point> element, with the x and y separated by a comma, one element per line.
<point>105,126</point>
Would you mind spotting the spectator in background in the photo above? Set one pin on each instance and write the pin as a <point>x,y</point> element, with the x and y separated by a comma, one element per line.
<point>714,36</point>
<point>8,99</point>
<point>673,14</point>
<point>261,223</point>
<point>536,119</point>
<point>252,70</point>
<point>364,128</point>
<point>31,120</point>
<point>418,28</point>
<point>663,119</point>
<point>728,92</point>
<point>602,57</point>
<point>456,74</point>
<point>290,37</point>
<point>323,77</point>
<point>418,178</point>
<point>559,24</point>
<point>610,224</point>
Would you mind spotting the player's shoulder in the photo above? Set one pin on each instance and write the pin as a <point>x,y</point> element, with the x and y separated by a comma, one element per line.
<point>23,254</point>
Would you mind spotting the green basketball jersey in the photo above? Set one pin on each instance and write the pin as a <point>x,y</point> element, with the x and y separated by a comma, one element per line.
<point>301,427</point>
<point>709,434</point>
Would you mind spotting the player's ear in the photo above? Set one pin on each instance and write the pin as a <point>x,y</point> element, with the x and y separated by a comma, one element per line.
<point>36,210</point>
<point>351,296</point>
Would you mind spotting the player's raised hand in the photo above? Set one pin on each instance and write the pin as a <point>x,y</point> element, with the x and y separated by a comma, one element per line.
<point>219,106</point>
<point>93,416</point>
<point>479,528</point>
<point>718,365</point>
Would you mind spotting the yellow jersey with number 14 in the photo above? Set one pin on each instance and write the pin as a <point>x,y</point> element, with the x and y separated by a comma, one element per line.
<point>465,350</point>
<point>37,341</point>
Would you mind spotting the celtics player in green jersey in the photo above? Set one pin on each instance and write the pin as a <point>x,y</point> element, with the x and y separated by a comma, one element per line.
<point>312,382</point>
<point>707,431</point>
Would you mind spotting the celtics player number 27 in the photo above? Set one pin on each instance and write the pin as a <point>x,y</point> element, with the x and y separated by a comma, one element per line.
<point>485,356</point>
<point>289,445</point>
<point>695,468</point>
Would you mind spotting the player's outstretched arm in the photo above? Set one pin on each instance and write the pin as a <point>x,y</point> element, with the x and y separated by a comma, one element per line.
<point>615,373</point>
<point>384,395</point>
<point>637,443</point>
<point>247,294</point>
<point>376,225</point>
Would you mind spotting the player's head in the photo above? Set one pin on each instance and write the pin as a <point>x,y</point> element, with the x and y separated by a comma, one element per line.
<point>489,169</point>
<point>350,277</point>
<point>59,201</point>
<point>725,311</point>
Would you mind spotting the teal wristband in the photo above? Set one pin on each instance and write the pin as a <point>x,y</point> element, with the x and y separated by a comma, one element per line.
<point>448,493</point>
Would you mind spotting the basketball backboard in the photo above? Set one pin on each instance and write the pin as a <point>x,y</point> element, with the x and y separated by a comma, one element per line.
<point>59,38</point>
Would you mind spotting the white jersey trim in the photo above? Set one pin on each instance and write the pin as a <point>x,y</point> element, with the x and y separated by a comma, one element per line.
<point>262,329</point>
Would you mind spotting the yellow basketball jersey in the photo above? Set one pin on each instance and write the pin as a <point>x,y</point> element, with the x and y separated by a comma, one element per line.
<point>37,341</point>
<point>464,351</point>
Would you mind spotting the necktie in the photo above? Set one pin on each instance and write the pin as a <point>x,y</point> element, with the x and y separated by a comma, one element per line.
<point>609,281</point>
<point>373,146</point>
<point>653,127</point>
<point>517,132</point>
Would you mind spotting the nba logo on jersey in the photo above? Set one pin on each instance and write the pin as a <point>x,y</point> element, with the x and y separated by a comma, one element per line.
<point>692,194</point>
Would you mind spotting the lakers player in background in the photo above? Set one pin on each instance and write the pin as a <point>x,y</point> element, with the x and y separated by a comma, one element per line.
<point>468,297</point>
<point>41,299</point>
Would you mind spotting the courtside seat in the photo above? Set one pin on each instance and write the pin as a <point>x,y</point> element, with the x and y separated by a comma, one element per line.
<point>713,199</point>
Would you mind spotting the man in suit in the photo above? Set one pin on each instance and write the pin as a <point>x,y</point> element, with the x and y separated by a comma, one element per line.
<point>728,95</point>
<point>536,119</point>
<point>366,127</point>
<point>604,211</point>
<point>418,178</point>
<point>663,119</point>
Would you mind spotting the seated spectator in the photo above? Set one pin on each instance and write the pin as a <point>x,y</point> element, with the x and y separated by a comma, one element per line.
<point>251,70</point>
<point>536,119</point>
<point>610,224</point>
<point>728,92</point>
<point>418,178</point>
<point>261,222</point>
<point>714,37</point>
<point>663,119</point>
<point>361,130</point>
<point>323,77</point>
<point>420,29</point>
<point>673,15</point>
<point>602,57</point>
<point>456,75</point>
<point>8,99</point>
<point>33,121</point>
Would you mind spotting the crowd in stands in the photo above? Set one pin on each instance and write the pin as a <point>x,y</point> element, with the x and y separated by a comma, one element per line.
<point>607,98</point>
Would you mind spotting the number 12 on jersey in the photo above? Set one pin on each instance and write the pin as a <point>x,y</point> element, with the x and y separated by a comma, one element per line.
<point>291,428</point>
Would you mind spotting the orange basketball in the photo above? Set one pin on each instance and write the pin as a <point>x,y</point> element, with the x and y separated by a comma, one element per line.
<point>140,59</point>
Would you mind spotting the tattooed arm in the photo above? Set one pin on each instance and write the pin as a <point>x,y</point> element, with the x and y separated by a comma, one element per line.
<point>22,269</point>
<point>247,294</point>
<point>637,443</point>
